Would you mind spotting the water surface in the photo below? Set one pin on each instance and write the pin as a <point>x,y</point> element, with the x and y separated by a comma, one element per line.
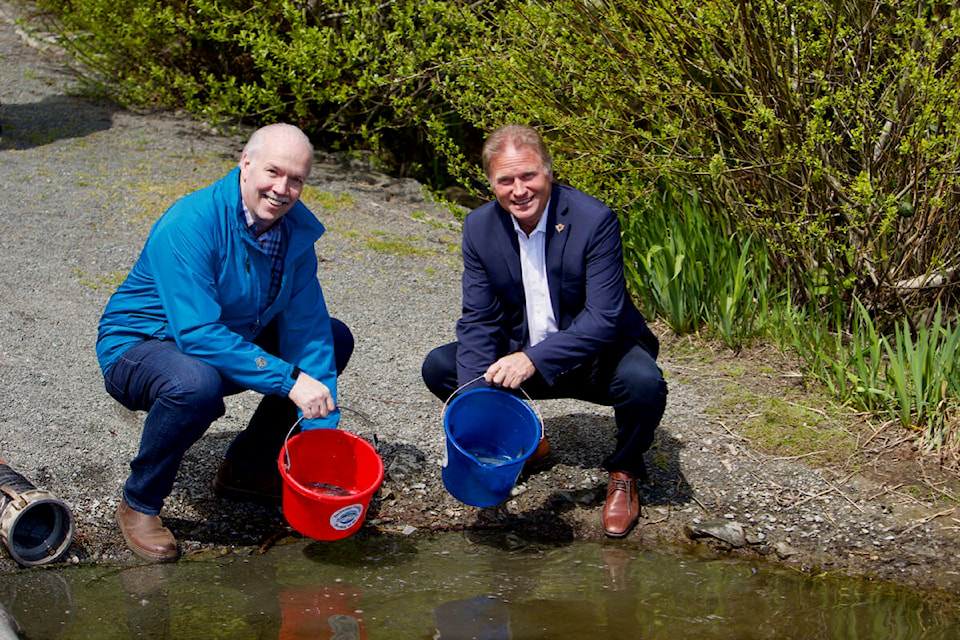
<point>459,586</point>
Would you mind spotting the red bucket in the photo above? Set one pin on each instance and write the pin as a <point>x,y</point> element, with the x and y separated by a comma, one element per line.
<point>329,476</point>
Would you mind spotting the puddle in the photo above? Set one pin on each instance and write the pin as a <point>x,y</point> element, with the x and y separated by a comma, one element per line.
<point>459,586</point>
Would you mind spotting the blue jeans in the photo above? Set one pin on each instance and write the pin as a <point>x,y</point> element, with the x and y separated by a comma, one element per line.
<point>623,376</point>
<point>183,397</point>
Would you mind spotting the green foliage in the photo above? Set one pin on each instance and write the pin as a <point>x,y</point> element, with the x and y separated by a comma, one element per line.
<point>911,376</point>
<point>687,269</point>
<point>821,141</point>
<point>349,72</point>
<point>922,377</point>
<point>831,129</point>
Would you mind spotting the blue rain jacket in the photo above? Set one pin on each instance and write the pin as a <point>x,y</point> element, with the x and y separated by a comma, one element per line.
<point>200,280</point>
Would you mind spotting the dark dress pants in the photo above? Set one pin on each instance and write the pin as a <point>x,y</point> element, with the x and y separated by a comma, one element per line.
<point>183,397</point>
<point>623,376</point>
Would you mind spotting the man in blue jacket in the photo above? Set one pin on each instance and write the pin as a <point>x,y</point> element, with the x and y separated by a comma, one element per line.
<point>546,309</point>
<point>224,297</point>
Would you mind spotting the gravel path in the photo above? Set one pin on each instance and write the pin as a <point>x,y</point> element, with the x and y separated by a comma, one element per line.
<point>82,181</point>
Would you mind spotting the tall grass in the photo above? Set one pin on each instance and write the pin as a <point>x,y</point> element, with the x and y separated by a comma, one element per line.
<point>909,376</point>
<point>689,271</point>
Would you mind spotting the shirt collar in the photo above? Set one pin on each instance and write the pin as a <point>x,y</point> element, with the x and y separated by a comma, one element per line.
<point>541,225</point>
<point>252,223</point>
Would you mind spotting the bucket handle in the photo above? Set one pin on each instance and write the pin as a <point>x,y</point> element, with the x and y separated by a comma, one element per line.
<point>543,428</point>
<point>366,418</point>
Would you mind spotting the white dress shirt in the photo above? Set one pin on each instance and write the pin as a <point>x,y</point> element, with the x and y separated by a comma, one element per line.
<point>533,266</point>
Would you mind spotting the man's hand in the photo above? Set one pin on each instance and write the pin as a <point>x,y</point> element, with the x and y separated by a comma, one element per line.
<point>312,397</point>
<point>510,371</point>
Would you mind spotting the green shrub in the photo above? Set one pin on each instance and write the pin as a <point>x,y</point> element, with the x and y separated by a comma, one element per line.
<point>831,129</point>
<point>349,72</point>
<point>815,144</point>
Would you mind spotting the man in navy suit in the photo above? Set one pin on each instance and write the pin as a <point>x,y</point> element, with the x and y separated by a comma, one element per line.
<point>545,308</point>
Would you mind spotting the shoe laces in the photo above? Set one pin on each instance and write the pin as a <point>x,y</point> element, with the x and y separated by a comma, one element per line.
<point>619,484</point>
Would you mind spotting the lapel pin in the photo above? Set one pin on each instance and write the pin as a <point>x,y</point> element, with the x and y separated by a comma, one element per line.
<point>560,227</point>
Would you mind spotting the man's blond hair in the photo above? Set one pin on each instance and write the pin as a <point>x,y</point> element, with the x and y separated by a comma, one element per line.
<point>519,136</point>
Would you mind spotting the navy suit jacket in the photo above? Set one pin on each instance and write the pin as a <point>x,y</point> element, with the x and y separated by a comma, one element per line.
<point>584,257</point>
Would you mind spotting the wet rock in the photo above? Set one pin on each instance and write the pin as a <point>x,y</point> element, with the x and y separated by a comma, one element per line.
<point>784,550</point>
<point>728,531</point>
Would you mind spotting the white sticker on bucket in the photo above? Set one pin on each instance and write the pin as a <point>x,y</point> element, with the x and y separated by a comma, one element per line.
<point>344,518</point>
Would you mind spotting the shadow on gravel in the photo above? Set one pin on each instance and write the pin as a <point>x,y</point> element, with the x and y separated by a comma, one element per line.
<point>668,486</point>
<point>35,124</point>
<point>573,444</point>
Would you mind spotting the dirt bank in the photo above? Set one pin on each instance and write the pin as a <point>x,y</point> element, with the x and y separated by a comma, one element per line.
<point>82,181</point>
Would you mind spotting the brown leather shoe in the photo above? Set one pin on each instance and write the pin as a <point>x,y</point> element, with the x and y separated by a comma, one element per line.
<point>247,484</point>
<point>622,508</point>
<point>540,459</point>
<point>145,535</point>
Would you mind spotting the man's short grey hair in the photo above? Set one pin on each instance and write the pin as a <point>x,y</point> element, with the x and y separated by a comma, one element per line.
<point>519,136</point>
<point>255,143</point>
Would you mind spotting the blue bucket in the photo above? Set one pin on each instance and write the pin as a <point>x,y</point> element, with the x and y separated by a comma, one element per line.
<point>490,434</point>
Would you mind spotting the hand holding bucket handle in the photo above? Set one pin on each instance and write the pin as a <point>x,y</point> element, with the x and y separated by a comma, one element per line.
<point>543,429</point>
<point>373,433</point>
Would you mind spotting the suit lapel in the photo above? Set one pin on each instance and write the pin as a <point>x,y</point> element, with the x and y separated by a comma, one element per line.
<point>510,249</point>
<point>557,232</point>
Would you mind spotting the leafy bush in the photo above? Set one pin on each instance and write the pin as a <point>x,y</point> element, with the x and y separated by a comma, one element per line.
<point>349,72</point>
<point>831,129</point>
<point>815,144</point>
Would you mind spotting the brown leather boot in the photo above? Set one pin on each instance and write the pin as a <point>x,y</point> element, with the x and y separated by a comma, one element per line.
<point>145,535</point>
<point>622,509</point>
<point>247,484</point>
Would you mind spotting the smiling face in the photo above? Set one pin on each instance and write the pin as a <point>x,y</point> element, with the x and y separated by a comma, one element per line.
<point>521,184</point>
<point>272,174</point>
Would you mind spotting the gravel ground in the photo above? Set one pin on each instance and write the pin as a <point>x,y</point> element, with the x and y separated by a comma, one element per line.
<point>83,180</point>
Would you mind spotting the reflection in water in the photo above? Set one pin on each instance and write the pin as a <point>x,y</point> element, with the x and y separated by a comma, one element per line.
<point>39,607</point>
<point>458,586</point>
<point>147,602</point>
<point>482,618</point>
<point>300,612</point>
<point>9,627</point>
<point>570,617</point>
<point>620,600</point>
<point>321,613</point>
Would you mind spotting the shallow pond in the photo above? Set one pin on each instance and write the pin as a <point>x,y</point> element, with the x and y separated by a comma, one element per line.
<point>459,586</point>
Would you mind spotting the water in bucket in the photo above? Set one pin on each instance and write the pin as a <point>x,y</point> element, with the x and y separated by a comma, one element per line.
<point>494,459</point>
<point>326,489</point>
<point>490,434</point>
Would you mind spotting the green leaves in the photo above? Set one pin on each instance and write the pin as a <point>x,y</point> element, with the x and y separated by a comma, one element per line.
<point>689,271</point>
<point>352,74</point>
<point>911,376</point>
<point>760,154</point>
